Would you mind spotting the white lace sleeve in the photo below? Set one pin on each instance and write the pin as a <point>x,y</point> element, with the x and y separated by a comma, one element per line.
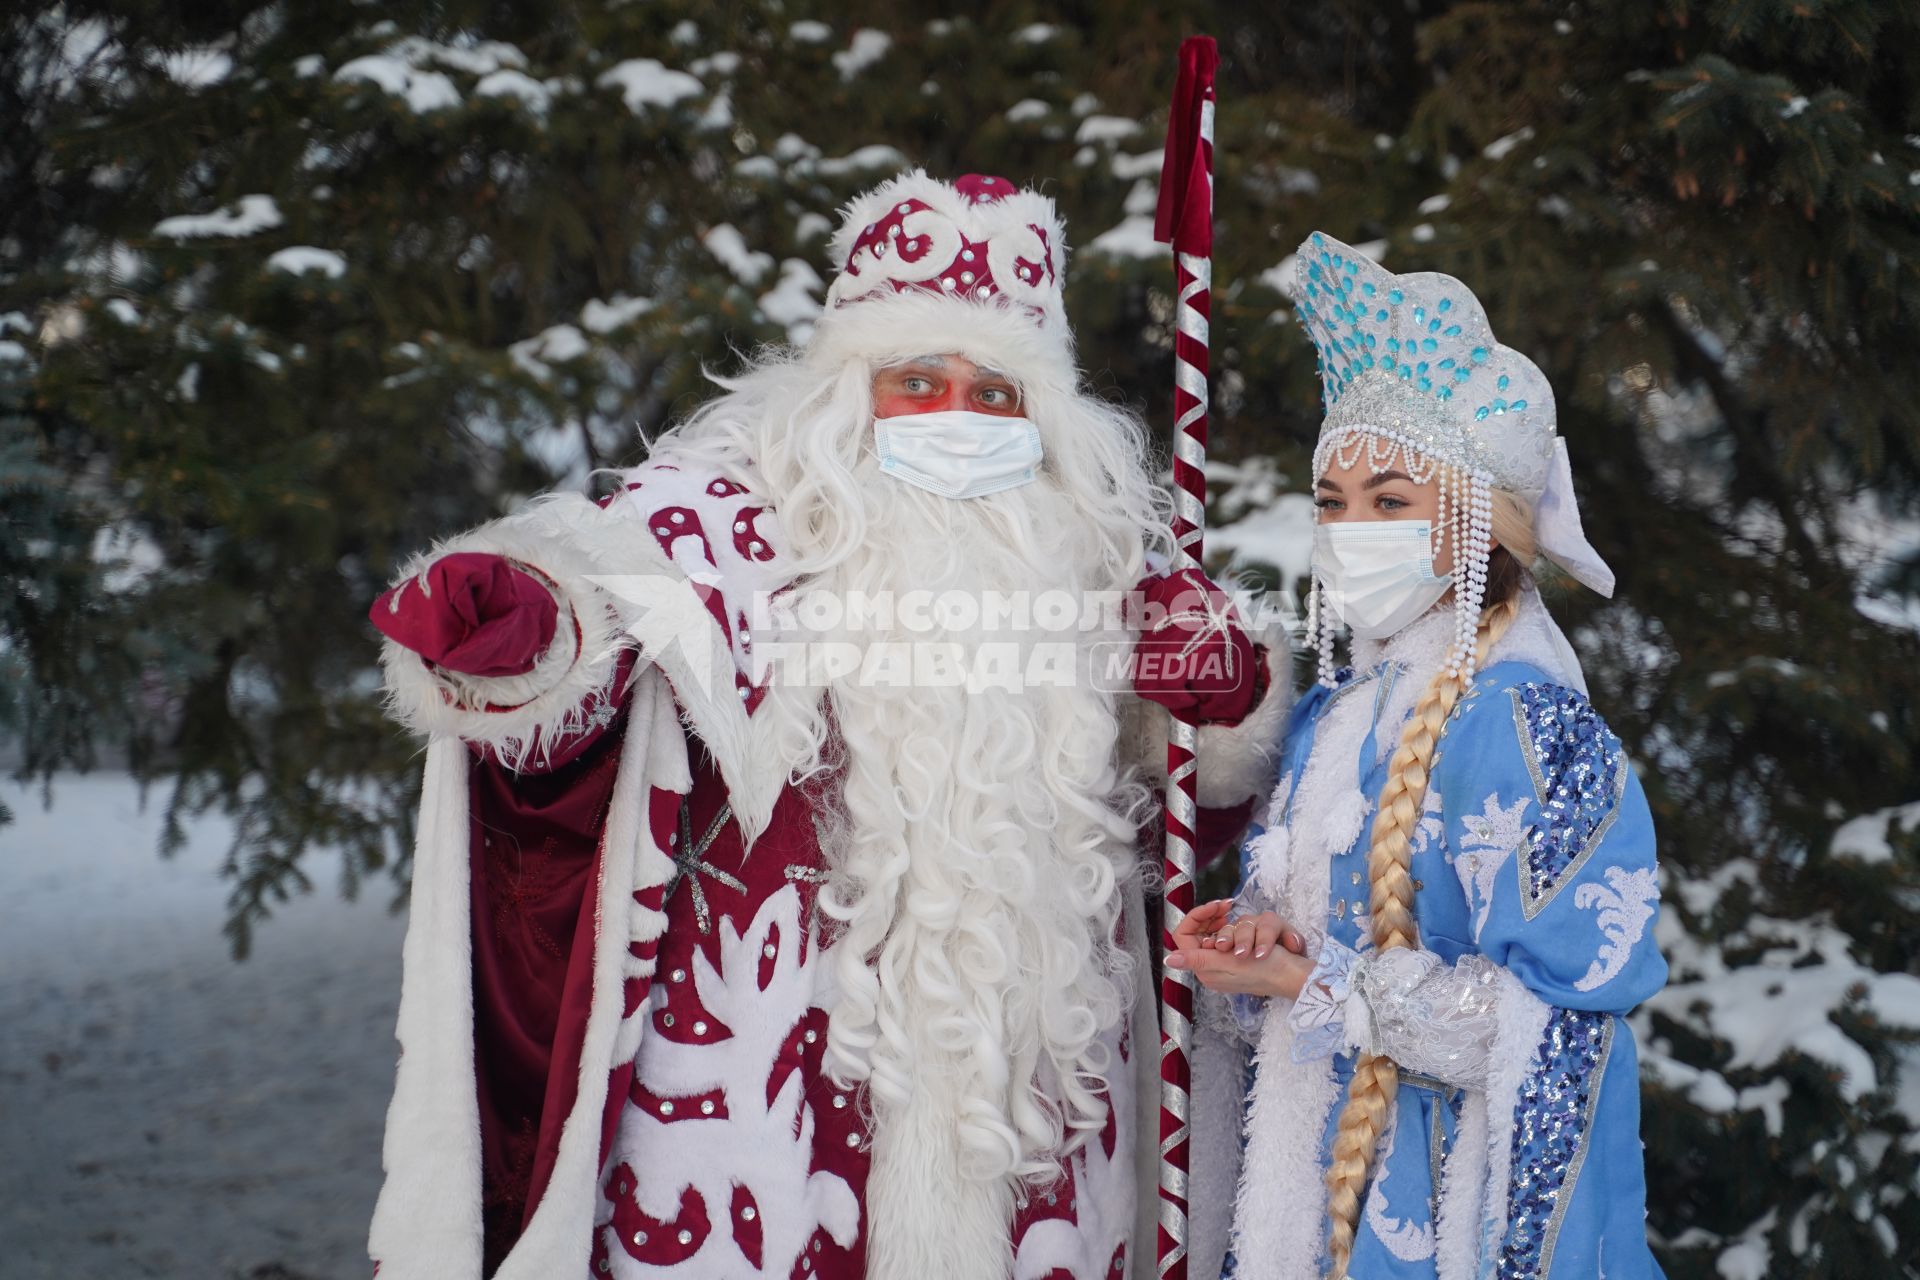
<point>1428,1016</point>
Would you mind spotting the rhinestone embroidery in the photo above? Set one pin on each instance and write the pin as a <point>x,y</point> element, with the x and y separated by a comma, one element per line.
<point>1397,357</point>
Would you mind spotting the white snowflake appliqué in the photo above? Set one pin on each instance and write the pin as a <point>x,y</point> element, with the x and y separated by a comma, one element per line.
<point>1624,908</point>
<point>1406,1238</point>
<point>1492,837</point>
<point>763,1143</point>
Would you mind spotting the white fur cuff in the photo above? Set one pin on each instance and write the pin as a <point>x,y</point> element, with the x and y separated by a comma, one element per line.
<point>1238,761</point>
<point>515,716</point>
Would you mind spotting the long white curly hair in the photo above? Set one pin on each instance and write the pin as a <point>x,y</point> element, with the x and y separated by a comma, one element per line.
<point>981,839</point>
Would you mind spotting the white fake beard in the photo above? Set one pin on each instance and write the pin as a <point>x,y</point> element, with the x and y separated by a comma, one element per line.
<point>976,855</point>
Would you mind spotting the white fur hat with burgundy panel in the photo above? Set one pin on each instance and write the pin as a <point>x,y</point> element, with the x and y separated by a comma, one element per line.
<point>971,268</point>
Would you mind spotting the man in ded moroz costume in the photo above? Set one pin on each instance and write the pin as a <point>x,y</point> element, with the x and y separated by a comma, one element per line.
<point>718,968</point>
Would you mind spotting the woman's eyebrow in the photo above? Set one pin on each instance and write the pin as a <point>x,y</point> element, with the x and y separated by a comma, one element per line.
<point>1386,476</point>
<point>1328,484</point>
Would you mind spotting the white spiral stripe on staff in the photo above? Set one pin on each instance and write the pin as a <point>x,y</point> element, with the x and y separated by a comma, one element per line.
<point>1176,1029</point>
<point>1183,739</point>
<point>1194,277</point>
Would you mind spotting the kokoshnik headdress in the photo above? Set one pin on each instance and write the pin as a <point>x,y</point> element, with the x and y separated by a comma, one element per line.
<point>1412,377</point>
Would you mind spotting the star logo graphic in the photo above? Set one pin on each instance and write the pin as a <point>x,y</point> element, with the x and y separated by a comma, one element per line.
<point>665,613</point>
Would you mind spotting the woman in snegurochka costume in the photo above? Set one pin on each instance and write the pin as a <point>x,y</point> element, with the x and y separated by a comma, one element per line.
<point>1457,863</point>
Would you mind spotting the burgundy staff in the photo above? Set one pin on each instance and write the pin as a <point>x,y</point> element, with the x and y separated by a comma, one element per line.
<point>1185,220</point>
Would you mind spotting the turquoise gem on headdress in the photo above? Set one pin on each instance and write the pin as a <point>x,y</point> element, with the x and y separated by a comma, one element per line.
<point>1393,355</point>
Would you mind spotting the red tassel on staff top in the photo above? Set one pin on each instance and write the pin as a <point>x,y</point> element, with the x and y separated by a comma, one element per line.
<point>1185,217</point>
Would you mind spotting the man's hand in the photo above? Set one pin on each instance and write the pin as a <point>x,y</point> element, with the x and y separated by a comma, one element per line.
<point>474,613</point>
<point>1194,656</point>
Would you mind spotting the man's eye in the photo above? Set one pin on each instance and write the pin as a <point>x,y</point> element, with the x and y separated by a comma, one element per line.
<point>994,395</point>
<point>918,384</point>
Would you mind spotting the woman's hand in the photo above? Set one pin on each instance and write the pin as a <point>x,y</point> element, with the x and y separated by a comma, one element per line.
<point>1198,927</point>
<point>1239,958</point>
<point>1206,927</point>
<point>1279,973</point>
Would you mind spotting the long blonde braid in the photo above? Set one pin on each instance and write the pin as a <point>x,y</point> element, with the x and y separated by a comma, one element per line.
<point>1376,1077</point>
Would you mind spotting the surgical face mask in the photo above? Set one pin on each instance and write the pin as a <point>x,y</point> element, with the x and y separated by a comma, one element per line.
<point>957,453</point>
<point>1377,575</point>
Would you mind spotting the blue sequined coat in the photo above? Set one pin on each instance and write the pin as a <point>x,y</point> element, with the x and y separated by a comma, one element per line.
<point>1513,1148</point>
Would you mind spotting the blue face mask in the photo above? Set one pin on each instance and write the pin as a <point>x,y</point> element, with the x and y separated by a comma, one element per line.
<point>957,453</point>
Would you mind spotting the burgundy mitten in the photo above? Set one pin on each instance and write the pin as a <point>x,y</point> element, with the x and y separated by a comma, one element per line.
<point>478,615</point>
<point>1194,657</point>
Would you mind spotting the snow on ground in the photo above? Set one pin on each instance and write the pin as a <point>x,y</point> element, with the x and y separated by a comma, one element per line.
<point>167,1111</point>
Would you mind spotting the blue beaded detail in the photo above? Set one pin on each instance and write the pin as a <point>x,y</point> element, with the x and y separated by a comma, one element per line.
<point>1374,330</point>
<point>1579,772</point>
<point>1552,1118</point>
